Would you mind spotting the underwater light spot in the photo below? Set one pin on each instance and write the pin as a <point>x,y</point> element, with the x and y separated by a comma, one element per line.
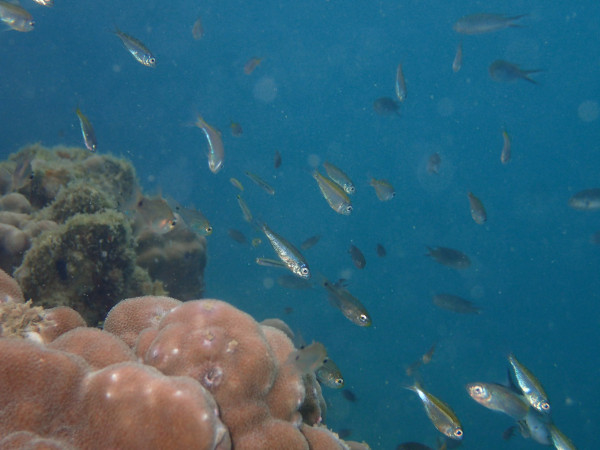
<point>265,90</point>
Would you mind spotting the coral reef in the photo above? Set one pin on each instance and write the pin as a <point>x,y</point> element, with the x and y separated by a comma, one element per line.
<point>66,234</point>
<point>162,374</point>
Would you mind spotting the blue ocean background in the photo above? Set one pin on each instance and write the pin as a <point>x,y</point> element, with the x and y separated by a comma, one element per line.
<point>535,273</point>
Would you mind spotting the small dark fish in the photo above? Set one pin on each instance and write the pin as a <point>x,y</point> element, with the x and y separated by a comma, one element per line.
<point>433,163</point>
<point>381,252</point>
<point>386,106</point>
<point>344,433</point>
<point>237,236</point>
<point>277,159</point>
<point>509,432</point>
<point>507,72</point>
<point>290,281</point>
<point>137,49</point>
<point>236,129</point>
<point>348,304</point>
<point>586,200</point>
<point>310,242</point>
<point>413,446</point>
<point>458,57</point>
<point>449,257</point>
<point>485,23</point>
<point>357,257</point>
<point>251,65</point>
<point>455,303</point>
<point>349,395</point>
<point>198,29</point>
<point>477,209</point>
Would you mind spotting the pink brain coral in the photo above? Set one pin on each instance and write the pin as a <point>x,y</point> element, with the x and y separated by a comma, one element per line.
<point>200,375</point>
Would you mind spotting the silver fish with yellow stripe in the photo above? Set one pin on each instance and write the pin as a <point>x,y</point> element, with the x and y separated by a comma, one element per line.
<point>531,387</point>
<point>138,50</point>
<point>337,199</point>
<point>287,253</point>
<point>440,414</point>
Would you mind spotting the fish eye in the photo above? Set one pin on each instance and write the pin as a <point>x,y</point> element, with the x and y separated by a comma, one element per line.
<point>478,390</point>
<point>172,224</point>
<point>545,406</point>
<point>339,381</point>
<point>152,60</point>
<point>363,318</point>
<point>349,209</point>
<point>209,230</point>
<point>458,432</point>
<point>304,271</point>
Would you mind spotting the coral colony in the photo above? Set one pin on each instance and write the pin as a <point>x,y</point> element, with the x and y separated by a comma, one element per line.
<point>161,373</point>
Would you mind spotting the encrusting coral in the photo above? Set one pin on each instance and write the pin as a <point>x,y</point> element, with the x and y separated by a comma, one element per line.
<point>162,374</point>
<point>66,234</point>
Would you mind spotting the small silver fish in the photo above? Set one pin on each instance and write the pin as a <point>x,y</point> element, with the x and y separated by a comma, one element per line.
<point>499,398</point>
<point>260,183</point>
<point>337,199</point>
<point>485,23</point>
<point>531,387</point>
<point>506,148</point>
<point>16,17</point>
<point>400,86</point>
<point>559,439</point>
<point>289,254</point>
<point>245,209</point>
<point>440,414</point>
<point>87,130</point>
<point>586,200</point>
<point>216,150</point>
<point>458,57</point>
<point>339,177</point>
<point>138,50</point>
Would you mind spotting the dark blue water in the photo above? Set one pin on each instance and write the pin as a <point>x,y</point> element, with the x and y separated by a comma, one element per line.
<point>535,274</point>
